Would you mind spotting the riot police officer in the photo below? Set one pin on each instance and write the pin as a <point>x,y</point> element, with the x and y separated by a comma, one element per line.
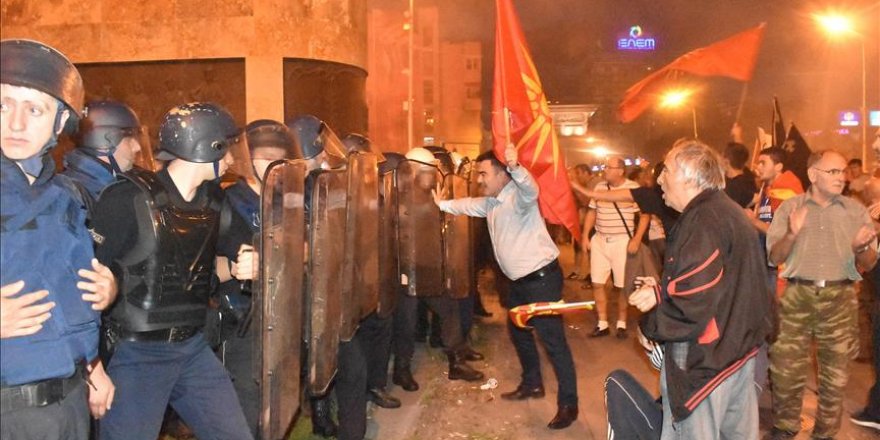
<point>323,150</point>
<point>48,329</point>
<point>375,330</point>
<point>106,145</point>
<point>159,231</point>
<point>455,345</point>
<point>267,141</point>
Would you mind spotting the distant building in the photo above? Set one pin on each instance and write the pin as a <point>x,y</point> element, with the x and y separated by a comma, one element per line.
<point>446,83</point>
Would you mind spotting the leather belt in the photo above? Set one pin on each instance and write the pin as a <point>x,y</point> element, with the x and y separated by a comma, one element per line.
<point>819,283</point>
<point>40,394</point>
<point>542,272</point>
<point>173,334</point>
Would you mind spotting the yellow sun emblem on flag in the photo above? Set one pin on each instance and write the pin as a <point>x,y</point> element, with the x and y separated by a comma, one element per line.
<point>542,125</point>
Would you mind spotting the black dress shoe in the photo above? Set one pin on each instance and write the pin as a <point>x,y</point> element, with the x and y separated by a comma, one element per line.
<point>381,397</point>
<point>598,333</point>
<point>460,370</point>
<point>469,354</point>
<point>621,333</point>
<point>566,415</point>
<point>322,423</point>
<point>404,378</point>
<point>781,434</point>
<point>523,392</point>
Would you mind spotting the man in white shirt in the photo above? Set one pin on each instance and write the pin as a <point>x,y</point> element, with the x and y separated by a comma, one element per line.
<point>528,256</point>
<point>616,236</point>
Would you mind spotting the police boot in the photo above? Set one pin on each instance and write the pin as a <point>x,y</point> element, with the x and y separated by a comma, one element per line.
<point>403,377</point>
<point>460,370</point>
<point>322,423</point>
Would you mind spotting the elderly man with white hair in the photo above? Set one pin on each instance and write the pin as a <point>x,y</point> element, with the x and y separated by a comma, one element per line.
<point>711,309</point>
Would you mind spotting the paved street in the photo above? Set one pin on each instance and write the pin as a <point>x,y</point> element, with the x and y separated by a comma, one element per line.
<point>444,409</point>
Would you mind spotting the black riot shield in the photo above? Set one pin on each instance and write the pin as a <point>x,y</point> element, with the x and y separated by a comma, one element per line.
<point>389,261</point>
<point>419,230</point>
<point>278,301</point>
<point>326,247</point>
<point>457,242</point>
<point>360,276</point>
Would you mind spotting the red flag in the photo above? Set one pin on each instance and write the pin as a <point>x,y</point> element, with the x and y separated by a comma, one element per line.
<point>734,57</point>
<point>520,115</point>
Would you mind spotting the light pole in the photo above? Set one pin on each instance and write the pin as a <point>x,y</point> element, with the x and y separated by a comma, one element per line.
<point>678,98</point>
<point>837,25</point>
<point>410,27</point>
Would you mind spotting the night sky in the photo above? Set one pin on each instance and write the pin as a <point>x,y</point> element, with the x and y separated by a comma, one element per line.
<point>813,77</point>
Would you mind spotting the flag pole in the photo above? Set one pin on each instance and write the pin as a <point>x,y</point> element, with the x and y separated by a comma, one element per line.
<point>742,101</point>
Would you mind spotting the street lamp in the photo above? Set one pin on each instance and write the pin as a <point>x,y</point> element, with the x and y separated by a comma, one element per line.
<point>837,26</point>
<point>678,98</point>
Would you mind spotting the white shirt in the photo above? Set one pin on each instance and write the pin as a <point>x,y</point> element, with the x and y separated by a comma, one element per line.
<point>520,239</point>
<point>608,220</point>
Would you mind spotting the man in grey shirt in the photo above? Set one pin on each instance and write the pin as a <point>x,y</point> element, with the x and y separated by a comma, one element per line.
<point>823,238</point>
<point>528,256</point>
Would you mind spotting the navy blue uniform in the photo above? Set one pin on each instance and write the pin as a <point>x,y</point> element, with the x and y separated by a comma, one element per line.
<point>92,174</point>
<point>44,241</point>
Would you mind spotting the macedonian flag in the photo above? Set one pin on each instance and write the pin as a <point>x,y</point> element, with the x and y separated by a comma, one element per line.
<point>520,115</point>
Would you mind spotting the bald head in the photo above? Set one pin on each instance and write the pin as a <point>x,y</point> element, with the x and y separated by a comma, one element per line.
<point>615,171</point>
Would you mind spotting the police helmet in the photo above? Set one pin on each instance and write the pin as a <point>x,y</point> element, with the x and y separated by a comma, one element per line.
<point>198,132</point>
<point>31,64</point>
<point>422,155</point>
<point>444,159</point>
<point>358,142</point>
<point>391,161</point>
<point>269,133</point>
<point>314,137</point>
<point>105,124</point>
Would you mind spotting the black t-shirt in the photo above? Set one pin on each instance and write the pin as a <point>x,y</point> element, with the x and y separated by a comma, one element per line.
<point>742,189</point>
<point>650,201</point>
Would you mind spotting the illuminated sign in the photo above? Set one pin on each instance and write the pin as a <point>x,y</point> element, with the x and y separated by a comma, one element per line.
<point>636,41</point>
<point>849,119</point>
<point>874,118</point>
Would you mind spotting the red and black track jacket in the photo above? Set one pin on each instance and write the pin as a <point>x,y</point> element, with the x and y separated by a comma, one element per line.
<point>713,297</point>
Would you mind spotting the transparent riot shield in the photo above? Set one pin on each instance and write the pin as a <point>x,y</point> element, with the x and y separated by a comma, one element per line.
<point>360,285</point>
<point>457,242</point>
<point>278,301</point>
<point>326,249</point>
<point>419,230</point>
<point>389,261</point>
<point>144,159</point>
<point>243,164</point>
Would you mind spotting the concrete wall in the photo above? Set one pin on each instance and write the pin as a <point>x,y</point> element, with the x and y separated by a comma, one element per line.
<point>262,33</point>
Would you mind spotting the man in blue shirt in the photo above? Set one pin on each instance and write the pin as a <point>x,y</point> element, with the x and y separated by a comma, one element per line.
<point>528,256</point>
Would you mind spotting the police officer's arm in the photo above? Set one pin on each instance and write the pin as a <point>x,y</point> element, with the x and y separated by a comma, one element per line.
<point>22,315</point>
<point>692,297</point>
<point>101,390</point>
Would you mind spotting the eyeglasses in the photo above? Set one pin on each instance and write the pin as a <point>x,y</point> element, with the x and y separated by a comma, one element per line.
<point>832,172</point>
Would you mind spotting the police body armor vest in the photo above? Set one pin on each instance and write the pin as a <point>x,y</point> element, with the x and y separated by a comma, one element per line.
<point>245,203</point>
<point>44,241</point>
<point>168,275</point>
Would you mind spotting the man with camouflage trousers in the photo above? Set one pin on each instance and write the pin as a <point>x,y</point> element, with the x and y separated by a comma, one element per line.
<point>821,237</point>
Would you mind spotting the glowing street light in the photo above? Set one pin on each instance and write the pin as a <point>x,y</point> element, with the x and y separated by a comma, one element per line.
<point>836,26</point>
<point>678,98</point>
<point>675,98</point>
